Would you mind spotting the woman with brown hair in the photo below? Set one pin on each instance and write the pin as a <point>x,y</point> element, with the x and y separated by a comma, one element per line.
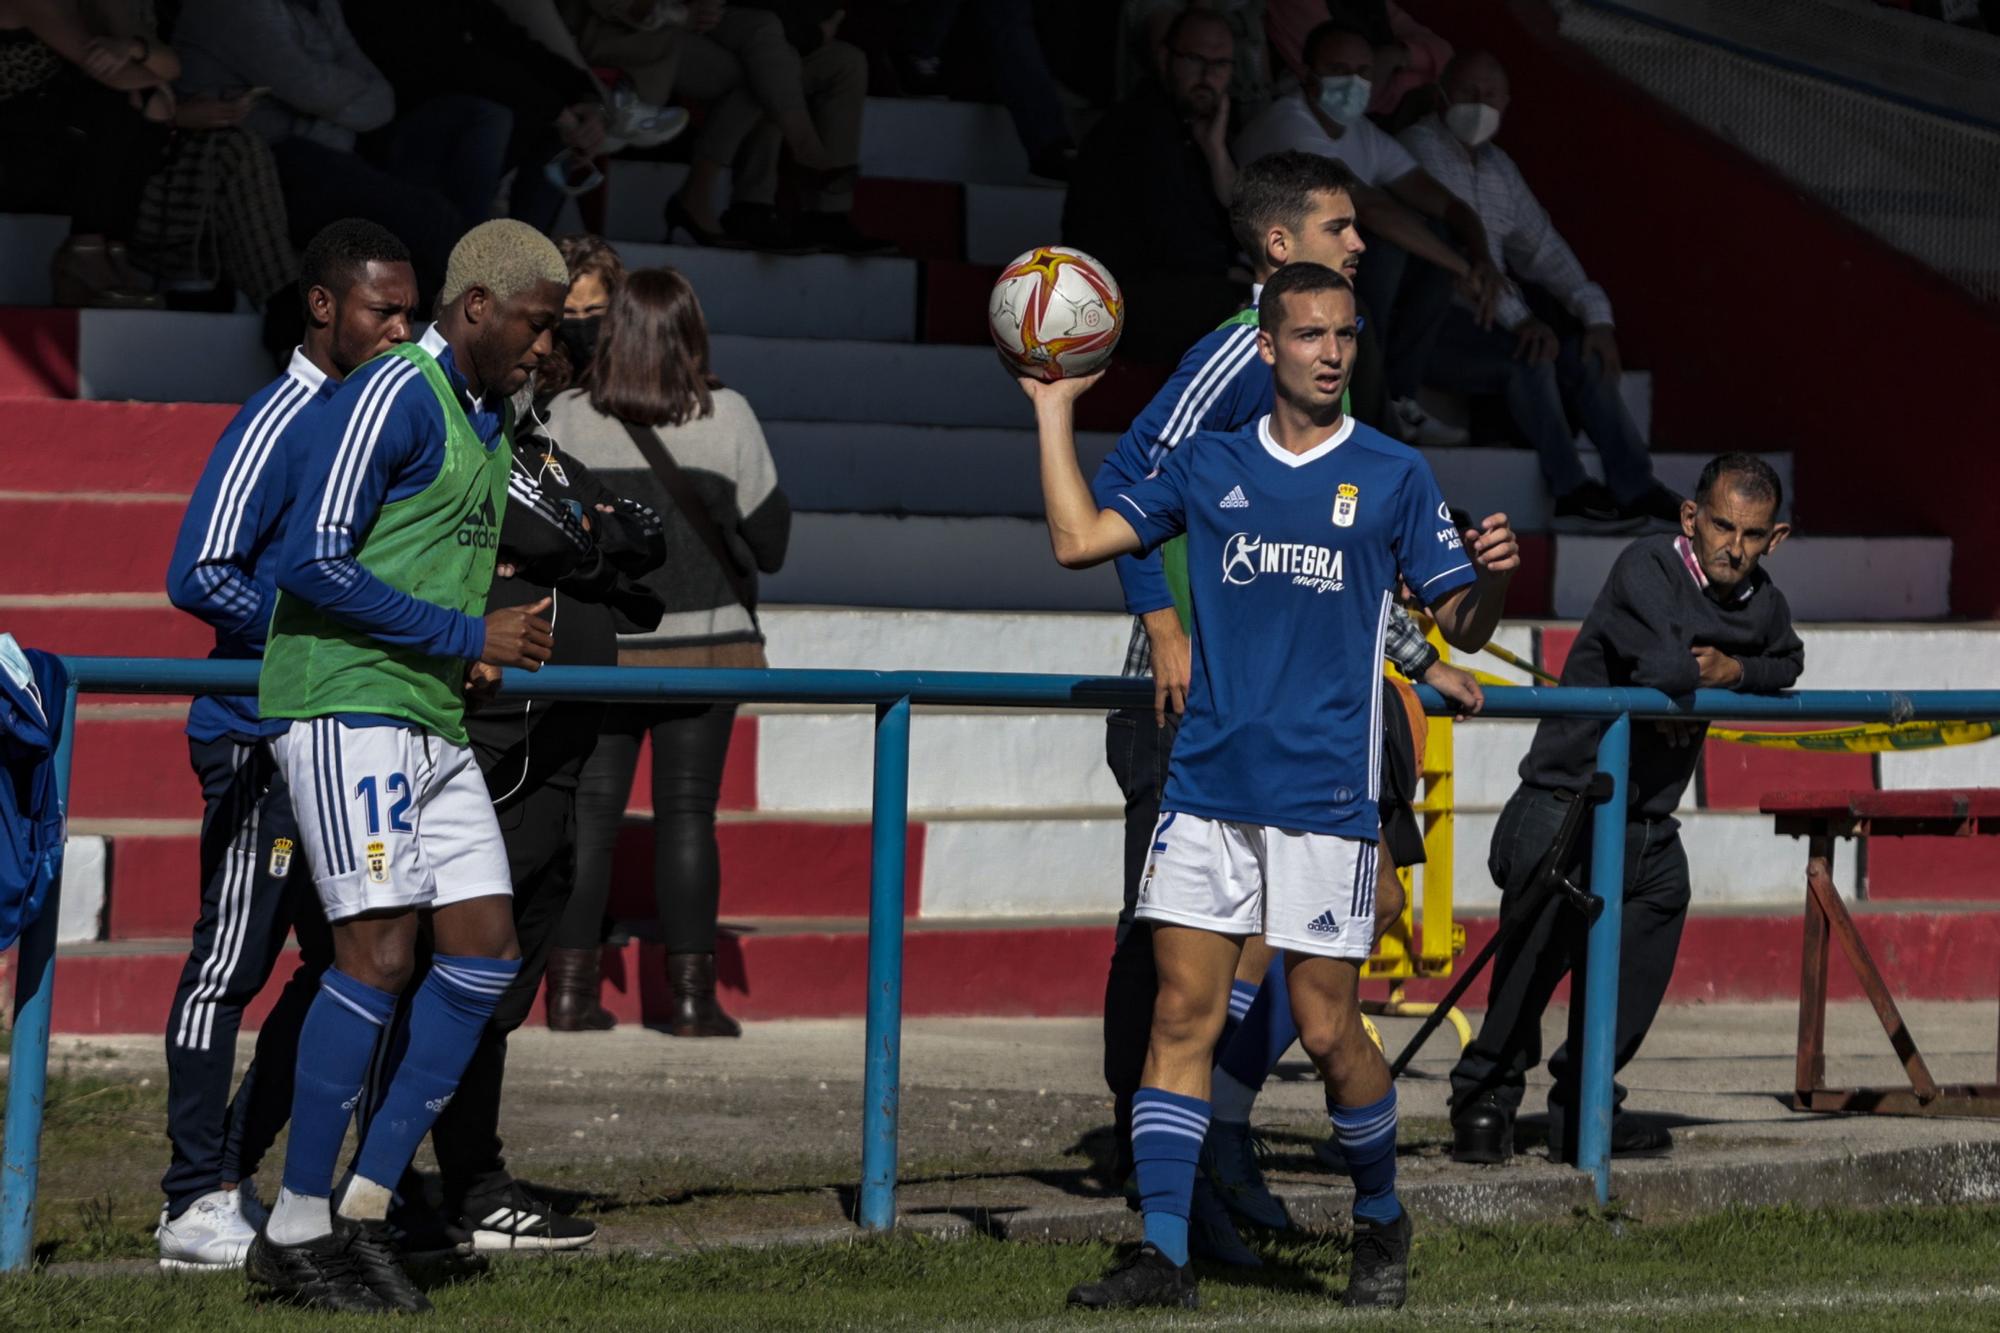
<point>595,272</point>
<point>656,425</point>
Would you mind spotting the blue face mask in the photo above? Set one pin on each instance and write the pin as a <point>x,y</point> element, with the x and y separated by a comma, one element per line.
<point>1344,97</point>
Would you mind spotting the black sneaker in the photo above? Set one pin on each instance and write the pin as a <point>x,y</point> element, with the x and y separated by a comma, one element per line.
<point>1590,502</point>
<point>837,234</point>
<point>1380,1273</point>
<point>510,1218</point>
<point>1147,1277</point>
<point>1656,504</point>
<point>382,1269</point>
<point>323,1273</point>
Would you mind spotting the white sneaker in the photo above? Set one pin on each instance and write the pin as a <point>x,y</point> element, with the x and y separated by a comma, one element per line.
<point>631,123</point>
<point>249,1206</point>
<point>210,1234</point>
<point>1417,426</point>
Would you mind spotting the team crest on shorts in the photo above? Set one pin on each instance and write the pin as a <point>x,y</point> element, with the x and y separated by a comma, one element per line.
<point>378,862</point>
<point>1345,501</point>
<point>281,857</point>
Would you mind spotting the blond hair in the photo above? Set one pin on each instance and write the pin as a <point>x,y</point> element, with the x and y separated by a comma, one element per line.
<point>506,258</point>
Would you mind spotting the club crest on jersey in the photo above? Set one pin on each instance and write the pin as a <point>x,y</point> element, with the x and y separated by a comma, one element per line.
<point>281,857</point>
<point>1345,501</point>
<point>378,862</point>
<point>555,470</point>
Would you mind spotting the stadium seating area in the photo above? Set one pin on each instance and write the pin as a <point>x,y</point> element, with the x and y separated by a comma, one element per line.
<point>909,457</point>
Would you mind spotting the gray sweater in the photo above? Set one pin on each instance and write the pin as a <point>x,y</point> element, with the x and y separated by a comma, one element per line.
<point>1642,631</point>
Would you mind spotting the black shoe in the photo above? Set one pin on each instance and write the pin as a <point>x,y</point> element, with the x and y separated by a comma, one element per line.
<point>1482,1133</point>
<point>836,232</point>
<point>382,1269</point>
<point>510,1218</point>
<point>1655,504</point>
<point>680,220</point>
<point>1147,1277</point>
<point>762,227</point>
<point>323,1273</point>
<point>1380,1273</point>
<point>1590,502</point>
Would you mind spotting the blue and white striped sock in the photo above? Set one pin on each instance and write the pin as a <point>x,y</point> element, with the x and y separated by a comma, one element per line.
<point>1242,994</point>
<point>336,1042</point>
<point>1368,1140</point>
<point>1167,1130</point>
<point>446,1018</point>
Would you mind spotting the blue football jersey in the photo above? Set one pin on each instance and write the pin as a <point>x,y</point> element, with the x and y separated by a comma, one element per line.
<point>1292,567</point>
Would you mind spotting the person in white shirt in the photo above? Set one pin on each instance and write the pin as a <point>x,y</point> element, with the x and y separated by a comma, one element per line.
<point>1502,347</point>
<point>1402,299</point>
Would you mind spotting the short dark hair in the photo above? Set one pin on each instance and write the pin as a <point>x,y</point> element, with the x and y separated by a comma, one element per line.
<point>1325,33</point>
<point>1277,189</point>
<point>336,256</point>
<point>1748,475</point>
<point>1188,17</point>
<point>1301,277</point>
<point>651,365</point>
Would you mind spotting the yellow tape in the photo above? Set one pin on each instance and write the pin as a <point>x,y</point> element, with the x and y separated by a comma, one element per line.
<point>1871,738</point>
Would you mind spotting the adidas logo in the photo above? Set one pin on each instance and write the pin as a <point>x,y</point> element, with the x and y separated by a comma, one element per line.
<point>1236,499</point>
<point>1324,924</point>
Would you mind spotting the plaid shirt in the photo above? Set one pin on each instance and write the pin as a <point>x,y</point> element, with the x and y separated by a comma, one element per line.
<point>1405,647</point>
<point>1524,242</point>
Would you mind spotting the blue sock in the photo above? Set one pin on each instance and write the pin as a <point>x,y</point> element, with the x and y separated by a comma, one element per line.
<point>1241,996</point>
<point>1167,1130</point>
<point>336,1042</point>
<point>1265,1034</point>
<point>446,1018</point>
<point>1367,1137</point>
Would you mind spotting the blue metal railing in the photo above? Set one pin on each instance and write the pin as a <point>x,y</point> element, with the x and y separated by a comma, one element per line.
<point>892,694</point>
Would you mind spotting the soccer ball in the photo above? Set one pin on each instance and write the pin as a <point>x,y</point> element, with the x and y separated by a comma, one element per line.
<point>1055,313</point>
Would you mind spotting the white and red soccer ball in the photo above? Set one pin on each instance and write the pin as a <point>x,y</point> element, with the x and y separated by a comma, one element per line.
<point>1055,313</point>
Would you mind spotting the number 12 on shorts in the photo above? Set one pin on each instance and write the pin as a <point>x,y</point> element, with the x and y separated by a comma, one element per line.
<point>398,788</point>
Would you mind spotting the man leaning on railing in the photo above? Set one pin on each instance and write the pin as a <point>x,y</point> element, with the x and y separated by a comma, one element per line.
<point>1678,613</point>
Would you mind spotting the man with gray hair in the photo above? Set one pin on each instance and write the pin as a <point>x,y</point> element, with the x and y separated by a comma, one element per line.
<point>374,641</point>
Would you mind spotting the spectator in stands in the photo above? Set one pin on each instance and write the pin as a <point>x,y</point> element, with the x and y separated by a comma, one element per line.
<point>322,93</point>
<point>1150,196</point>
<point>1502,346</point>
<point>773,76</point>
<point>630,121</point>
<point>1408,57</point>
<point>595,274</point>
<point>1406,281</point>
<point>58,80</point>
<point>1678,612</point>
<point>1142,25</point>
<point>467,78</point>
<point>1003,31</point>
<point>658,426</point>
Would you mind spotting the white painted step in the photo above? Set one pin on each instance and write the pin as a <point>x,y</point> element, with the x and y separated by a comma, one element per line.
<point>802,379</point>
<point>870,468</point>
<point>1823,578</point>
<point>793,296</point>
<point>943,141</point>
<point>994,564</point>
<point>1002,221</point>
<point>863,639</point>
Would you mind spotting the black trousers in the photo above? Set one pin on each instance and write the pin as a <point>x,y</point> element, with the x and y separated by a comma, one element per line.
<point>1406,298</point>
<point>1528,968</point>
<point>690,743</point>
<point>1137,749</point>
<point>540,832</point>
<point>256,887</point>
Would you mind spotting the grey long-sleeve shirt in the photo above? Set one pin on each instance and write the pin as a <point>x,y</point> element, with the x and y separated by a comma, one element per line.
<point>1654,610</point>
<point>322,87</point>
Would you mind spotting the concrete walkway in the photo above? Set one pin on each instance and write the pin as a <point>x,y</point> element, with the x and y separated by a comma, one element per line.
<point>676,1144</point>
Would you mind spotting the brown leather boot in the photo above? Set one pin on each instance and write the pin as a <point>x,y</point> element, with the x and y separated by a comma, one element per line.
<point>696,1014</point>
<point>573,982</point>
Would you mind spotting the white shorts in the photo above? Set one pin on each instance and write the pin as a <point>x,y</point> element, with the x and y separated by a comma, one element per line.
<point>1311,893</point>
<point>391,817</point>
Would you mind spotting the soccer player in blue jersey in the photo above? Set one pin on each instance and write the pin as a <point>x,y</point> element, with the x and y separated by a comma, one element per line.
<point>360,294</point>
<point>1298,529</point>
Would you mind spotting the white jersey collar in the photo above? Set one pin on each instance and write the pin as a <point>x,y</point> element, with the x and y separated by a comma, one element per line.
<point>1312,455</point>
<point>305,372</point>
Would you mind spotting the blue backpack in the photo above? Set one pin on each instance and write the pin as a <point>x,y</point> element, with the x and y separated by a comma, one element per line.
<point>33,685</point>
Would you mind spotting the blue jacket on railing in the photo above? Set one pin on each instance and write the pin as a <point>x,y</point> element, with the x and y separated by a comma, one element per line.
<point>33,685</point>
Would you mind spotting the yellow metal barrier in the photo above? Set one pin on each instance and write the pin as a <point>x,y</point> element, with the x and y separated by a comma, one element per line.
<point>1426,940</point>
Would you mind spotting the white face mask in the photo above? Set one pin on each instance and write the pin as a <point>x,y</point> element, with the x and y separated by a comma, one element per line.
<point>1343,97</point>
<point>1473,123</point>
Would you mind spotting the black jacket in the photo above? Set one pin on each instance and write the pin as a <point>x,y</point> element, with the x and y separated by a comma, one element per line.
<point>1650,616</point>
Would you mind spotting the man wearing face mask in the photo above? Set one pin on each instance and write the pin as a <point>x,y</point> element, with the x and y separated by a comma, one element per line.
<point>1150,193</point>
<point>1402,299</point>
<point>1678,613</point>
<point>1547,377</point>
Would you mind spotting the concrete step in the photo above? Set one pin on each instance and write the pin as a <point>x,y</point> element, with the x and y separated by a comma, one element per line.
<point>793,296</point>
<point>85,544</point>
<point>111,447</point>
<point>942,141</point>
<point>1823,578</point>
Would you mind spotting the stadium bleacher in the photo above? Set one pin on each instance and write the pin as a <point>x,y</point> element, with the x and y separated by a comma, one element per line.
<point>906,452</point>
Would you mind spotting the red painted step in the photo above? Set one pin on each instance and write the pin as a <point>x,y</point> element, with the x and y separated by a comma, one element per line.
<point>739,771</point>
<point>1932,868</point>
<point>38,355</point>
<point>84,544</point>
<point>1737,777</point>
<point>66,445</point>
<point>69,625</point>
<point>776,868</point>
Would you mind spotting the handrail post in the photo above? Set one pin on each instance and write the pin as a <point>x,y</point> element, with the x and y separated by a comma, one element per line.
<point>1600,997</point>
<point>28,1059</point>
<point>882,1072</point>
